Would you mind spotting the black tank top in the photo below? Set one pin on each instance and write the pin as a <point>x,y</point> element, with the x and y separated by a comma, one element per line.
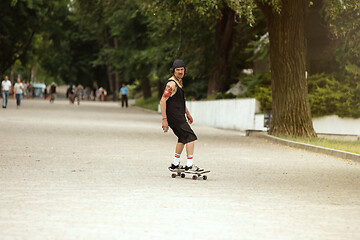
<point>175,106</point>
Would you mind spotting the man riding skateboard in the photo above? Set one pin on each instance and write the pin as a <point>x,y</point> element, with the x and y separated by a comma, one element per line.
<point>173,111</point>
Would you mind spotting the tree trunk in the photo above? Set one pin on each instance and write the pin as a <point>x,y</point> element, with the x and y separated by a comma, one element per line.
<point>146,88</point>
<point>110,78</point>
<point>290,105</point>
<point>223,41</point>
<point>117,75</point>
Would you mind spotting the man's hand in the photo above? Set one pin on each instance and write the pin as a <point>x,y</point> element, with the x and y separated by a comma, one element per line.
<point>190,119</point>
<point>165,125</point>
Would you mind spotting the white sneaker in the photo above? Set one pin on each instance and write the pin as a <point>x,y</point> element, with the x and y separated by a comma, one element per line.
<point>193,168</point>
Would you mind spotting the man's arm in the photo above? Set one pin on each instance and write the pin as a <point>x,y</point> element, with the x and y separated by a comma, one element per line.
<point>188,115</point>
<point>167,93</point>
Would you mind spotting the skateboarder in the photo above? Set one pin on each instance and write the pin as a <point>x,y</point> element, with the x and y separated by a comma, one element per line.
<point>173,111</point>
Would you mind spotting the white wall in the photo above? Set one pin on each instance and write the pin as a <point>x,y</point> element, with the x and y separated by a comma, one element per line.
<point>235,114</point>
<point>336,125</point>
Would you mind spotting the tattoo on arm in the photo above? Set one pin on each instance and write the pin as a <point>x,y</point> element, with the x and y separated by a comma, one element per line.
<point>167,91</point>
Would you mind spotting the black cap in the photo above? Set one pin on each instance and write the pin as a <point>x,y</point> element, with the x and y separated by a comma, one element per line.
<point>178,64</point>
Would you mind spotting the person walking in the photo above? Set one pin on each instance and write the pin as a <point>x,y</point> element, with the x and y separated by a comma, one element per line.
<point>103,93</point>
<point>79,93</point>
<point>5,89</point>
<point>124,91</point>
<point>25,88</point>
<point>52,92</point>
<point>45,93</point>
<point>18,89</point>
<point>173,111</point>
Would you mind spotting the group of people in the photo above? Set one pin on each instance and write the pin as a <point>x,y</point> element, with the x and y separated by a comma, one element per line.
<point>80,93</point>
<point>77,93</point>
<point>99,94</point>
<point>19,90</point>
<point>22,89</point>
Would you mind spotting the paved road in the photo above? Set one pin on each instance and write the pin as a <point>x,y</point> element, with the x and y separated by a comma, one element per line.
<point>100,172</point>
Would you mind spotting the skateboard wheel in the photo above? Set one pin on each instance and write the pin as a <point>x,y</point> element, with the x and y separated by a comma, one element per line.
<point>173,175</point>
<point>204,177</point>
<point>194,177</point>
<point>182,175</point>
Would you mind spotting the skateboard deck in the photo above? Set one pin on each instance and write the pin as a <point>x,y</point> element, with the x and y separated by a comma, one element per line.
<point>195,174</point>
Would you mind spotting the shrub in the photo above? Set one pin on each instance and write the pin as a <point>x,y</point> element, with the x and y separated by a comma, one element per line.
<point>328,95</point>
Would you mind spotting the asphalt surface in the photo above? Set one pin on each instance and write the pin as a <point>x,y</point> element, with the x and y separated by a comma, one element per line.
<point>97,171</point>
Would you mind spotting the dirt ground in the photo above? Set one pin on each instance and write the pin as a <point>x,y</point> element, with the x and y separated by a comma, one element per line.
<point>97,171</point>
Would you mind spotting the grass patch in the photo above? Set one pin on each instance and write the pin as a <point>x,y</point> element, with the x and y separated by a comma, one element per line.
<point>150,103</point>
<point>348,146</point>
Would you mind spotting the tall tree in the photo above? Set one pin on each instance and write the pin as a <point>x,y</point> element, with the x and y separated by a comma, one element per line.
<point>291,108</point>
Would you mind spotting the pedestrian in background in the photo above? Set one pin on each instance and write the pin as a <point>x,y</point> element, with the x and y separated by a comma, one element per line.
<point>52,92</point>
<point>18,89</point>
<point>87,93</point>
<point>103,93</point>
<point>5,88</point>
<point>45,93</point>
<point>124,92</point>
<point>79,93</point>
<point>25,85</point>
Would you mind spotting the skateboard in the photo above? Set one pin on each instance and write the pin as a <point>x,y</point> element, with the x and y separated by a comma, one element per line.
<point>195,174</point>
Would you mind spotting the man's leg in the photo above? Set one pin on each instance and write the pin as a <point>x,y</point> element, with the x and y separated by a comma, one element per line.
<point>18,99</point>
<point>178,150</point>
<point>3,96</point>
<point>6,98</point>
<point>190,152</point>
<point>190,148</point>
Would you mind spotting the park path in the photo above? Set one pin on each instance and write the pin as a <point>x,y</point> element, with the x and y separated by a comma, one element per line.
<point>97,171</point>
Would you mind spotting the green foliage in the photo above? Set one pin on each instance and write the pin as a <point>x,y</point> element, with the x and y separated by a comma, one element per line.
<point>135,53</point>
<point>264,95</point>
<point>324,94</point>
<point>328,96</point>
<point>20,20</point>
<point>343,18</point>
<point>259,49</point>
<point>150,103</point>
<point>195,89</point>
<point>44,38</point>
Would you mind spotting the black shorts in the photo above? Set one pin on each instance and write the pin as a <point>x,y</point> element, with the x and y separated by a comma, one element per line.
<point>184,132</point>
